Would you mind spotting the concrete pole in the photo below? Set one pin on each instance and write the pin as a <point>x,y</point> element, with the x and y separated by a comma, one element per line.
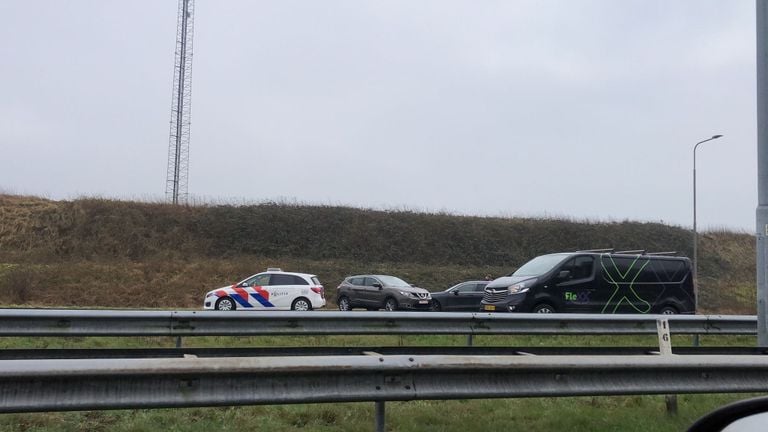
<point>762,168</point>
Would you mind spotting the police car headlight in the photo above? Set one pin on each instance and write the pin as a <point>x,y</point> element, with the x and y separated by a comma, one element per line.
<point>521,287</point>
<point>210,294</point>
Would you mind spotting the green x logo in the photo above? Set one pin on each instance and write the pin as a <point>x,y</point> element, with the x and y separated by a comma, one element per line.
<point>624,284</point>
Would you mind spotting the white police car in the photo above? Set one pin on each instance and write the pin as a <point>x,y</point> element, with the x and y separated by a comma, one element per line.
<point>271,290</point>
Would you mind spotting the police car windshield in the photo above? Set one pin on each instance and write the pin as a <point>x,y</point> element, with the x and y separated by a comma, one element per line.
<point>539,265</point>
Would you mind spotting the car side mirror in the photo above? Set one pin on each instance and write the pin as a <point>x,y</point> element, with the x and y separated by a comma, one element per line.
<point>377,285</point>
<point>564,274</point>
<point>456,292</point>
<point>244,284</point>
<point>742,416</point>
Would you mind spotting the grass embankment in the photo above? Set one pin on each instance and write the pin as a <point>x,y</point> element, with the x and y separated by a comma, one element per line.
<point>101,253</point>
<point>95,252</point>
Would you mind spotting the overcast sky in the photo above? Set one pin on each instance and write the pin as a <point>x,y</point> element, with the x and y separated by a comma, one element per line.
<point>556,108</point>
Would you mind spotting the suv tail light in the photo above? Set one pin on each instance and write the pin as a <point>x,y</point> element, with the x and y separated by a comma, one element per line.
<point>318,290</point>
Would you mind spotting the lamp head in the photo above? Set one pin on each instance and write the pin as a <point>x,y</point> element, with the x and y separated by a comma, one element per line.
<point>716,136</point>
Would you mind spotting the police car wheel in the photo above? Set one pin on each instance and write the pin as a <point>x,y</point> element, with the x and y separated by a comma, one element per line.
<point>344,304</point>
<point>225,304</point>
<point>390,304</point>
<point>543,308</point>
<point>301,304</point>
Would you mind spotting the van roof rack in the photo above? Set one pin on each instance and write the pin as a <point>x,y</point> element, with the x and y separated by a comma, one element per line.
<point>610,250</point>
<point>664,253</point>
<point>632,252</point>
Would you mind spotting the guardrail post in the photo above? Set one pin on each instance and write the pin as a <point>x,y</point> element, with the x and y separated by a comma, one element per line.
<point>665,349</point>
<point>380,425</point>
<point>665,344</point>
<point>469,339</point>
<point>178,341</point>
<point>671,403</point>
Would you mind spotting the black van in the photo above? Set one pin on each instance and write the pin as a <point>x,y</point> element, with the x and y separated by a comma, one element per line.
<point>590,282</point>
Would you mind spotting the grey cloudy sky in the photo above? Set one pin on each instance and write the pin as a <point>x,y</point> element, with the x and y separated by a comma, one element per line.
<point>572,108</point>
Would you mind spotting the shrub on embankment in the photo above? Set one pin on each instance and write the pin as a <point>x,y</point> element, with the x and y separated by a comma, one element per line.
<point>94,229</point>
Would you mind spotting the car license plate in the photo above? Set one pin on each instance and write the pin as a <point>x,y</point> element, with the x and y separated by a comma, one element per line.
<point>423,301</point>
<point>489,307</point>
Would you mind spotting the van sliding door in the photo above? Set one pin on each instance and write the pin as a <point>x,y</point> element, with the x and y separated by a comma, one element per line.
<point>624,284</point>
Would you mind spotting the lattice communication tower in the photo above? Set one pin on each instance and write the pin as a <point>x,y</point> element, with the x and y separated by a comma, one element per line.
<point>181,106</point>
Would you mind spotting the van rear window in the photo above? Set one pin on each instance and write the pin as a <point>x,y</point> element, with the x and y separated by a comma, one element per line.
<point>643,270</point>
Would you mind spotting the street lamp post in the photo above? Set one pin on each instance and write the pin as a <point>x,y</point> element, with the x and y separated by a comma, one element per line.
<point>695,234</point>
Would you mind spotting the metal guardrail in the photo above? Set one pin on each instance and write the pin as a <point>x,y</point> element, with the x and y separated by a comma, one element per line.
<point>61,380</point>
<point>36,322</point>
<point>63,385</point>
<point>148,353</point>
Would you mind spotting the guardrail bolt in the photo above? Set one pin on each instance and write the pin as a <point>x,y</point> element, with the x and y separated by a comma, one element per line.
<point>64,323</point>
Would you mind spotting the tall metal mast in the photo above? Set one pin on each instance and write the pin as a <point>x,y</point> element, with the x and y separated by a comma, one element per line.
<point>181,106</point>
<point>762,172</point>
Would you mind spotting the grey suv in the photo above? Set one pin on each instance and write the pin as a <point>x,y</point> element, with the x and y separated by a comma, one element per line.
<point>374,292</point>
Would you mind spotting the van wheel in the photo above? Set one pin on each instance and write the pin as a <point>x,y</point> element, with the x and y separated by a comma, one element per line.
<point>668,310</point>
<point>543,308</point>
<point>225,304</point>
<point>301,304</point>
<point>390,304</point>
<point>344,304</point>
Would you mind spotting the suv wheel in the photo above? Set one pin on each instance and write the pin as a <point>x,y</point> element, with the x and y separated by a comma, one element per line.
<point>344,304</point>
<point>390,304</point>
